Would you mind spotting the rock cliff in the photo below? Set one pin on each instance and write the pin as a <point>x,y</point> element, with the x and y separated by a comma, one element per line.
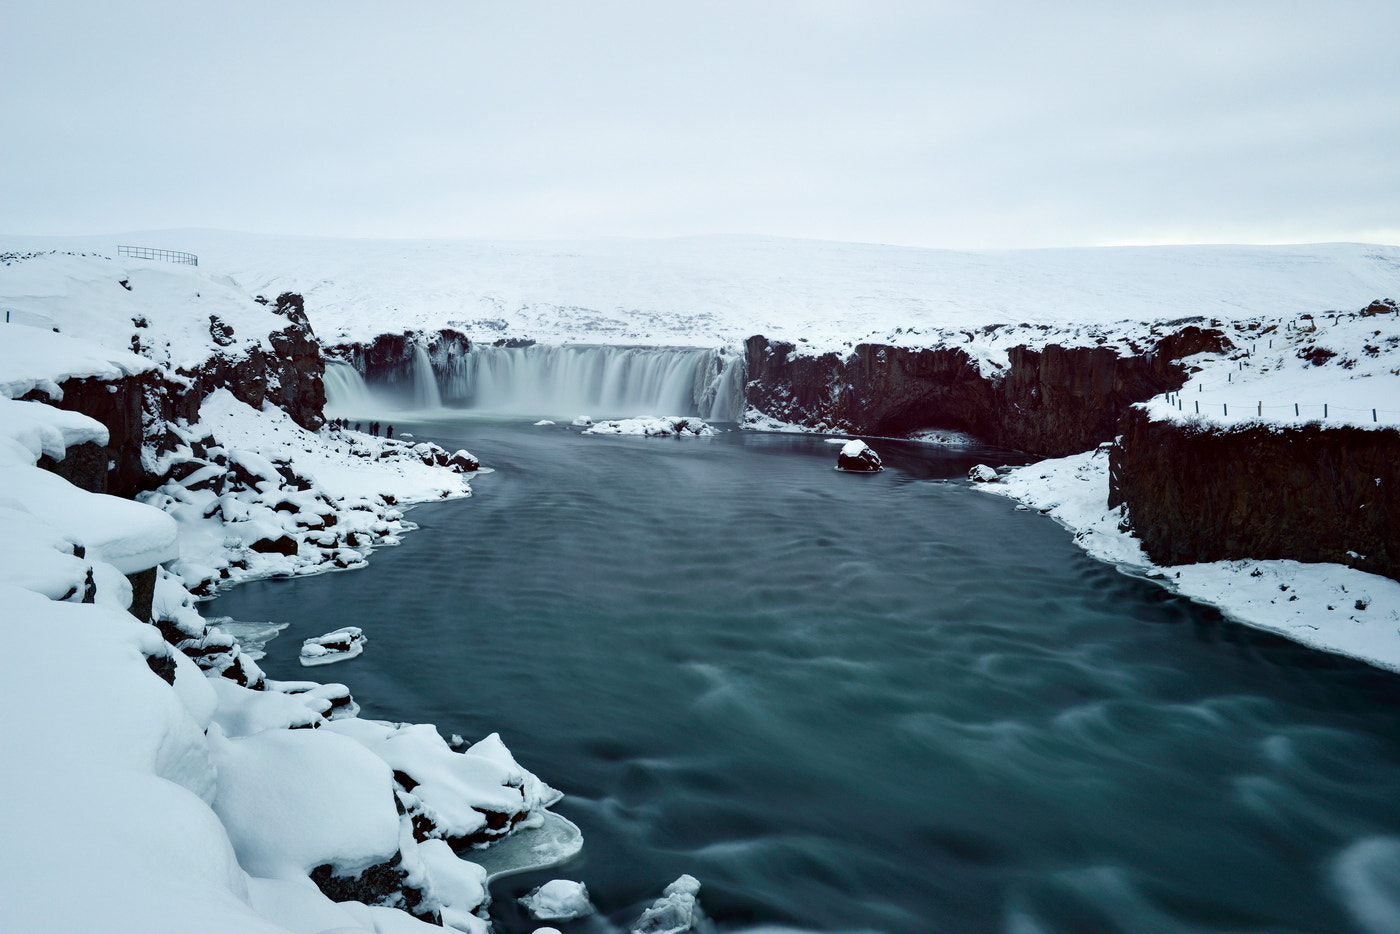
<point>1199,493</point>
<point>136,409</point>
<point>1053,401</point>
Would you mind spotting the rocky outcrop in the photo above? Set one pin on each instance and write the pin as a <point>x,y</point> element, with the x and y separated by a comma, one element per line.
<point>1054,401</point>
<point>287,373</point>
<point>136,410</point>
<point>1200,493</point>
<point>858,457</point>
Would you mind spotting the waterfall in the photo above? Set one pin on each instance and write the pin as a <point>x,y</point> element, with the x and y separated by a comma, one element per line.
<point>601,381</point>
<point>425,387</point>
<point>346,392</point>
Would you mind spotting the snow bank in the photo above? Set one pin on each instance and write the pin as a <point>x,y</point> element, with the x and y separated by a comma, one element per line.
<point>38,358</point>
<point>179,315</point>
<point>668,426</point>
<point>712,291</point>
<point>1336,368</point>
<point>1326,606</point>
<point>256,495</point>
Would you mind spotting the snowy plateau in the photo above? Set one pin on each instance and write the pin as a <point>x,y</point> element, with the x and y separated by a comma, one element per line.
<point>159,781</point>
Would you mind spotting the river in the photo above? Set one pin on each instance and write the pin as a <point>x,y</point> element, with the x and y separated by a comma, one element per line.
<point>861,703</point>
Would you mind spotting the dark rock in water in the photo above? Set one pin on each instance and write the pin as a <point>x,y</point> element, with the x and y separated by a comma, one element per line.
<point>463,462</point>
<point>857,456</point>
<point>283,545</point>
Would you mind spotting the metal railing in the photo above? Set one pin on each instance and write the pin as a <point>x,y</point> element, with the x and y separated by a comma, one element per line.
<point>169,256</point>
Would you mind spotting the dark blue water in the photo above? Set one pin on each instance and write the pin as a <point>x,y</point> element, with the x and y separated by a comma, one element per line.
<point>843,702</point>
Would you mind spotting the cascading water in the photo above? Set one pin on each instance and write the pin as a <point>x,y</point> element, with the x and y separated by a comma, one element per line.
<point>346,392</point>
<point>603,381</point>
<point>425,386</point>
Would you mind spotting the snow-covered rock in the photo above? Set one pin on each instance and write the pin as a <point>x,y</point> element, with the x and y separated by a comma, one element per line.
<point>858,457</point>
<point>677,911</point>
<point>339,645</point>
<point>582,421</point>
<point>558,900</point>
<point>982,474</point>
<point>669,426</point>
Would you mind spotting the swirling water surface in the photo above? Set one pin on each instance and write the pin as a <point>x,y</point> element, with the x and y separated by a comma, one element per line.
<point>877,703</point>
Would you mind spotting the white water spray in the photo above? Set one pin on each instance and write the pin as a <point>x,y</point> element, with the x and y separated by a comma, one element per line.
<point>603,381</point>
<point>425,386</point>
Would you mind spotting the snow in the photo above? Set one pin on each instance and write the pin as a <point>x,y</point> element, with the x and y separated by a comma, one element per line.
<point>677,911</point>
<point>35,358</point>
<point>1342,369</point>
<point>337,646</point>
<point>166,307</point>
<point>130,536</point>
<point>1326,606</point>
<point>292,800</point>
<point>558,900</point>
<point>718,290</point>
<point>334,524</point>
<point>668,426</point>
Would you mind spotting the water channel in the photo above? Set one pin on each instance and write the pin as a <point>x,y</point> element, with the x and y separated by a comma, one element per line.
<point>861,703</point>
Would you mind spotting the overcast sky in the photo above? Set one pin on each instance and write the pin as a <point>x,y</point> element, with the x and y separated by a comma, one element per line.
<point>965,125</point>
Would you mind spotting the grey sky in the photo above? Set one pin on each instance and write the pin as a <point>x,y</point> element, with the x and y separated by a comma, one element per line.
<point>937,124</point>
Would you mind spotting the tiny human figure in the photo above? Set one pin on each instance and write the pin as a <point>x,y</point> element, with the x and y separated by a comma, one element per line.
<point>390,432</point>
<point>357,426</point>
<point>374,429</point>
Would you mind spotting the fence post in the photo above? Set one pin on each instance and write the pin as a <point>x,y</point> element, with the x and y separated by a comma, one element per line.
<point>1226,407</point>
<point>1373,415</point>
<point>1261,409</point>
<point>1198,408</point>
<point>1324,410</point>
<point>1295,410</point>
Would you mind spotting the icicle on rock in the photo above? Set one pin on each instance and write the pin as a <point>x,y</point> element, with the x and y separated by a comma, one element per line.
<point>858,457</point>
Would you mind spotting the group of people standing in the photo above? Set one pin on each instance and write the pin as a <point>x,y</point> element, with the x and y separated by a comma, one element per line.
<point>344,424</point>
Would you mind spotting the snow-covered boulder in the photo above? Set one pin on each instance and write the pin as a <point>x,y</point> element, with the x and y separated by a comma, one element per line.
<point>463,462</point>
<point>677,911</point>
<point>558,900</point>
<point>669,426</point>
<point>340,645</point>
<point>582,421</point>
<point>982,474</point>
<point>858,457</point>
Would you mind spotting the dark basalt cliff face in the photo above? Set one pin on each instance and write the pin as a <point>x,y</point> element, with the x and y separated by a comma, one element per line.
<point>289,375</point>
<point>136,409</point>
<point>1309,493</point>
<point>1055,401</point>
